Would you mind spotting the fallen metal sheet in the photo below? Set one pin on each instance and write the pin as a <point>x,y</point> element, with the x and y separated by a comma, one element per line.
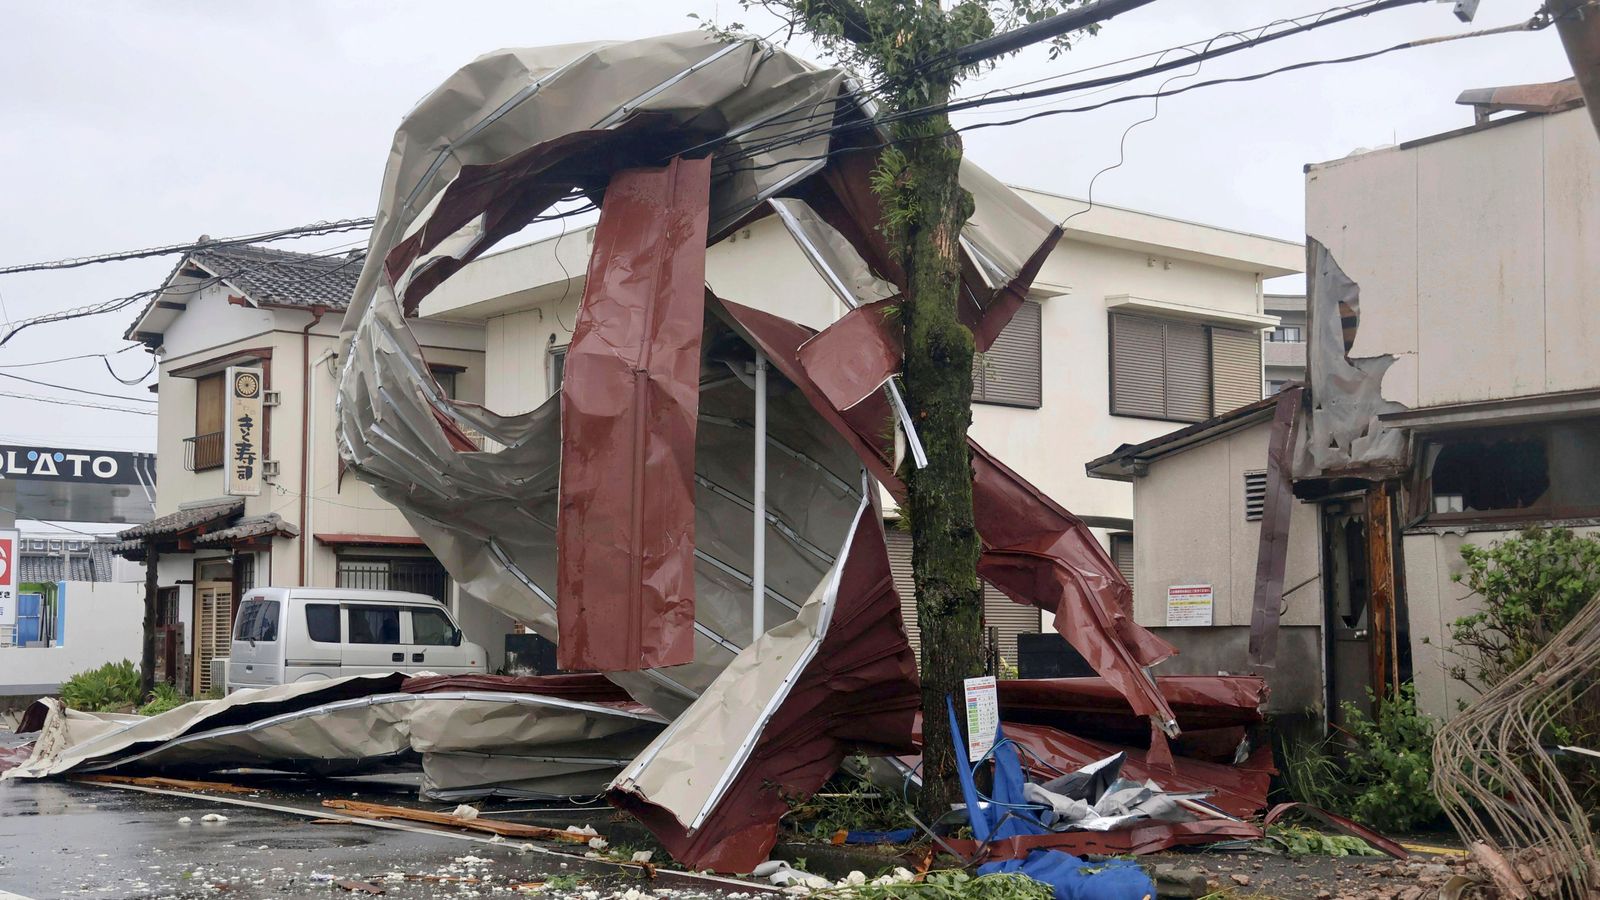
<point>1139,840</point>
<point>839,677</point>
<point>625,527</point>
<point>1272,549</point>
<point>589,687</point>
<point>1035,551</point>
<point>1201,703</point>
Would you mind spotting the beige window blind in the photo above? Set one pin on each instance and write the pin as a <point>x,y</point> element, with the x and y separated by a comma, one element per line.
<point>1009,374</point>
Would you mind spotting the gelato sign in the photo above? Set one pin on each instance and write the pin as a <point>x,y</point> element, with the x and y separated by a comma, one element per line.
<point>23,463</point>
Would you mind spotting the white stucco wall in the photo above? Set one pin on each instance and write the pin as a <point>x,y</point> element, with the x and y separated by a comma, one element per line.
<point>99,623</point>
<point>1475,254</point>
<point>1190,528</point>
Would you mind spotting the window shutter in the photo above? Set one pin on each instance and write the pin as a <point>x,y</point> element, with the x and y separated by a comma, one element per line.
<point>1188,375</point>
<point>899,543</point>
<point>1009,373</point>
<point>1137,368</point>
<point>1235,368</point>
<point>1122,554</point>
<point>1255,495</point>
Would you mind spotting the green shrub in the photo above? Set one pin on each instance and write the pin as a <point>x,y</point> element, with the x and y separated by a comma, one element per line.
<point>1390,764</point>
<point>1531,586</point>
<point>113,686</point>
<point>163,698</point>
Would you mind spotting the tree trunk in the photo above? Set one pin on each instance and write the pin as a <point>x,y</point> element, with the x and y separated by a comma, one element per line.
<point>147,656</point>
<point>938,375</point>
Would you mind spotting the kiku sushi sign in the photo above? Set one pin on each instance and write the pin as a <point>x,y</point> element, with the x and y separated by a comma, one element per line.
<point>242,456</point>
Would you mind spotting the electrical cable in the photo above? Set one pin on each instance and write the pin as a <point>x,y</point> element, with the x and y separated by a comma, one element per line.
<point>129,382</point>
<point>60,359</point>
<point>298,231</point>
<point>60,402</point>
<point>63,387</point>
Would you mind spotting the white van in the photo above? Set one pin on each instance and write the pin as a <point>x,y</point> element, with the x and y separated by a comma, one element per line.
<point>285,635</point>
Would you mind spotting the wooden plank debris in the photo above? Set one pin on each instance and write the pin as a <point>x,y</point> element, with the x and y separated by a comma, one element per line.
<point>491,826</point>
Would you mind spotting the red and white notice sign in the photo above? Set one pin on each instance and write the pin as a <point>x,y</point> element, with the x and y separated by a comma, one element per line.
<point>1189,605</point>
<point>8,577</point>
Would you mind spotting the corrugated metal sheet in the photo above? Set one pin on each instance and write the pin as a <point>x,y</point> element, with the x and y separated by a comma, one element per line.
<point>1138,385</point>
<point>1011,619</point>
<point>1235,369</point>
<point>1009,373</point>
<point>1188,376</point>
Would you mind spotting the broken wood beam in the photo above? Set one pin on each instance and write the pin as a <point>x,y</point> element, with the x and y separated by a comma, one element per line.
<point>158,781</point>
<point>490,826</point>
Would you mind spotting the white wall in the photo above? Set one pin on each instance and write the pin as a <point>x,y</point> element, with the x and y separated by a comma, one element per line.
<point>1190,528</point>
<point>100,623</point>
<point>1475,255</point>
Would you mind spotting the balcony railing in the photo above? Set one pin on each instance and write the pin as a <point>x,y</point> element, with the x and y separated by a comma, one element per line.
<point>202,452</point>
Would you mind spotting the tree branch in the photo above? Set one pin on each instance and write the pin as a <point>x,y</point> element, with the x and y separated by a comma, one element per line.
<point>851,15</point>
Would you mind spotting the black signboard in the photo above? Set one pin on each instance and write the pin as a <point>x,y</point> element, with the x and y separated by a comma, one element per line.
<point>26,463</point>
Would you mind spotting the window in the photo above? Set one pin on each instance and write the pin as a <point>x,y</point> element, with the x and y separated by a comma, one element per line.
<point>257,621</point>
<point>204,450</point>
<point>1181,371</point>
<point>1255,496</point>
<point>417,574</point>
<point>322,622</point>
<point>1528,472</point>
<point>1122,554</point>
<point>1008,374</point>
<point>1286,334</point>
<point>446,377</point>
<point>432,627</point>
<point>555,366</point>
<point>374,624</point>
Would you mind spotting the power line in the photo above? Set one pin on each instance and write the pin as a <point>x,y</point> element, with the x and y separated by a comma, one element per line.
<point>61,359</point>
<point>86,405</point>
<point>62,387</point>
<point>298,231</point>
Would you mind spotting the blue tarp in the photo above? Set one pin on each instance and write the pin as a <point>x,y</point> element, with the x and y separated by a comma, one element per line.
<point>1008,814</point>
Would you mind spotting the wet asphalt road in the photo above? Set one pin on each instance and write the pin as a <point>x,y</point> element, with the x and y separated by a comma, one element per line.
<point>59,839</point>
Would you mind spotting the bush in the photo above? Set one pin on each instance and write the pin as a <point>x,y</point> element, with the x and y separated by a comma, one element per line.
<point>1531,585</point>
<point>1378,776</point>
<point>163,698</point>
<point>113,686</point>
<point>1390,765</point>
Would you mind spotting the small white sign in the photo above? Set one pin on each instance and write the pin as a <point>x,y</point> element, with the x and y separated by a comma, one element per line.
<point>8,577</point>
<point>983,716</point>
<point>1189,605</point>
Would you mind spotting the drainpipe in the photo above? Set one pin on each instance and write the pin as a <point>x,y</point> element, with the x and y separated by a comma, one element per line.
<point>317,312</point>
<point>758,506</point>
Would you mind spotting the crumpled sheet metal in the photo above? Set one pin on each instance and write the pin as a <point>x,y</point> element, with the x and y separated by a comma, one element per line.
<point>1215,706</point>
<point>625,528</point>
<point>714,785</point>
<point>1035,551</point>
<point>535,740</point>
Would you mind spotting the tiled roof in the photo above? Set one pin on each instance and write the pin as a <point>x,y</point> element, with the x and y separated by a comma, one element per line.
<point>45,559</point>
<point>255,526</point>
<point>283,277</point>
<point>184,519</point>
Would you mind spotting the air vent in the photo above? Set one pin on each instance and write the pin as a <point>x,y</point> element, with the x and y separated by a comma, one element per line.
<point>271,398</point>
<point>269,469</point>
<point>1255,495</point>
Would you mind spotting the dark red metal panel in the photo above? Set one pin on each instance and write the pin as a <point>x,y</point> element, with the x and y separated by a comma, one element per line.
<point>629,404</point>
<point>1272,550</point>
<point>859,692</point>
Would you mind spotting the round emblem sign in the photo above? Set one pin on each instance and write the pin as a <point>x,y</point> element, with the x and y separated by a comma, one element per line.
<point>246,384</point>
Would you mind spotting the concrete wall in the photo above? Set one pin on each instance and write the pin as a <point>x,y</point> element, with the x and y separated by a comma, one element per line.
<point>1435,600</point>
<point>99,622</point>
<point>1475,257</point>
<point>1190,529</point>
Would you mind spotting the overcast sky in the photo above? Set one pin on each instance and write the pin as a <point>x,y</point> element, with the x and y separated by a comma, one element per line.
<point>127,124</point>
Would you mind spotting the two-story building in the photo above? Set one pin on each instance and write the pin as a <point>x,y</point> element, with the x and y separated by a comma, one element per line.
<point>1284,355</point>
<point>1136,321</point>
<point>1453,397</point>
<point>276,313</point>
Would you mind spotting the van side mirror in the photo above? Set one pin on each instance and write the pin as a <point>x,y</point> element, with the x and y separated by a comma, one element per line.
<point>455,638</point>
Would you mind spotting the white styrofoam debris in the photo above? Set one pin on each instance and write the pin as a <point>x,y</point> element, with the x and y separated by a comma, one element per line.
<point>216,818</point>
<point>598,843</point>
<point>587,829</point>
<point>643,856</point>
<point>464,811</point>
<point>185,821</point>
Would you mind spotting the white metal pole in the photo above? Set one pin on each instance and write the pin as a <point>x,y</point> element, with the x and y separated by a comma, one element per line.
<point>758,544</point>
